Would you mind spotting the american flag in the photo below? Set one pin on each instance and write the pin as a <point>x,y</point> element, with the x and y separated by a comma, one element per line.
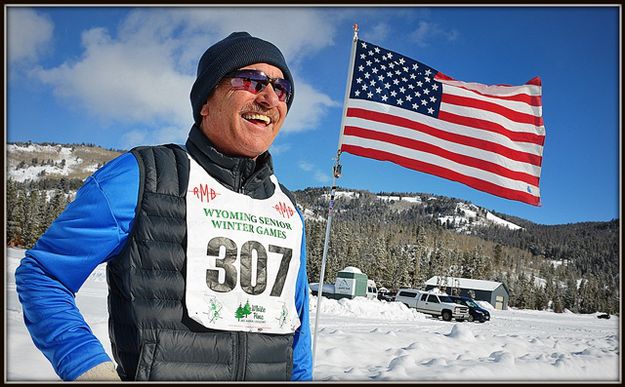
<point>489,137</point>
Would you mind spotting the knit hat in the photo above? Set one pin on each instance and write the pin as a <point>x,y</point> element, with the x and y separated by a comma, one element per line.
<point>237,50</point>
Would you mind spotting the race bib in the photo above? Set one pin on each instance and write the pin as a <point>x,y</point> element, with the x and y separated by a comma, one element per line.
<point>243,257</point>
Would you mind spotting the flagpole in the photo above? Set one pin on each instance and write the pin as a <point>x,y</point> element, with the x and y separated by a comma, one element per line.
<point>336,173</point>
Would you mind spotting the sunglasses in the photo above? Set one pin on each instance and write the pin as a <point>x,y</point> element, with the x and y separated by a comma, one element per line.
<point>255,81</point>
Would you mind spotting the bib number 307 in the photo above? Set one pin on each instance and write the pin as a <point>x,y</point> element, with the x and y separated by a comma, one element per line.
<point>227,260</point>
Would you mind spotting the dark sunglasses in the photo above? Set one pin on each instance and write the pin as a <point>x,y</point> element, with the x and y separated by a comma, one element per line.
<point>255,81</point>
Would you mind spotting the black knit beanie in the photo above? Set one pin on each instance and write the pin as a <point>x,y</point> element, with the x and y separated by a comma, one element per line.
<point>238,50</point>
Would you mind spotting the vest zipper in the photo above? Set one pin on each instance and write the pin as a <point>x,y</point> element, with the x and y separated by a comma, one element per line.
<point>242,355</point>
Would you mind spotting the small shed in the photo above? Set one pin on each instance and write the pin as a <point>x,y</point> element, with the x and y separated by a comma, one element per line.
<point>350,282</point>
<point>493,292</point>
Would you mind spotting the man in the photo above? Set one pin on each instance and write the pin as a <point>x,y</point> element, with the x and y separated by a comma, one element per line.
<point>205,250</point>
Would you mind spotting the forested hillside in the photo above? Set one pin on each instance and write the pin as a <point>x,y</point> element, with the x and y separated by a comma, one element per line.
<point>402,243</point>
<point>397,239</point>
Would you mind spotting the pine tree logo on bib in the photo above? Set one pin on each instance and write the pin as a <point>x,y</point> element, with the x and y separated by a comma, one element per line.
<point>250,313</point>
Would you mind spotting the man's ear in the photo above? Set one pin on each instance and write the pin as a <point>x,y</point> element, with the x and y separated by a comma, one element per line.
<point>204,110</point>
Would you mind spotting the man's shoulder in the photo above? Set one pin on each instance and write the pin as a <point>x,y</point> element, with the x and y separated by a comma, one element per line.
<point>144,148</point>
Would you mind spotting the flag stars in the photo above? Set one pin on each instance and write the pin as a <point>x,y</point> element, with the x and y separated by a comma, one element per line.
<point>381,77</point>
<point>364,45</point>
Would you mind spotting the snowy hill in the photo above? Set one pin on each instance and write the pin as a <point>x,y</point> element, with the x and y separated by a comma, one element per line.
<point>31,161</point>
<point>463,218</point>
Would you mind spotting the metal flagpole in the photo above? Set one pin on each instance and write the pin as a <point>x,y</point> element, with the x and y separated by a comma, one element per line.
<point>336,173</point>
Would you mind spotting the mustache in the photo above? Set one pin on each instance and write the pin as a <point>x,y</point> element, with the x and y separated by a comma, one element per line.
<point>253,107</point>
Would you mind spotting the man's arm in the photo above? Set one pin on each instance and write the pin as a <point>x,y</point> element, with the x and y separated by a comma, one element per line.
<point>302,353</point>
<point>91,229</point>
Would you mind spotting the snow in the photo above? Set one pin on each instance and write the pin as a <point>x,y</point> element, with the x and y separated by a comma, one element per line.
<point>371,340</point>
<point>464,283</point>
<point>409,199</point>
<point>502,222</point>
<point>342,194</point>
<point>60,152</point>
<point>352,269</point>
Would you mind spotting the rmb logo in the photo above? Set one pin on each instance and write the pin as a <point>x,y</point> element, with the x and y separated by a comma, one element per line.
<point>284,210</point>
<point>204,192</point>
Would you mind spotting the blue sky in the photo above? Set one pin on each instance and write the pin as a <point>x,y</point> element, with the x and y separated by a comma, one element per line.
<point>120,77</point>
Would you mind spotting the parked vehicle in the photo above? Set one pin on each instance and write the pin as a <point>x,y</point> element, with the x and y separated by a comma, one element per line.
<point>386,295</point>
<point>434,304</point>
<point>476,312</point>
<point>372,290</point>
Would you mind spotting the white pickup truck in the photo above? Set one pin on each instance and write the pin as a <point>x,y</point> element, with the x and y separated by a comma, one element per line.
<point>435,304</point>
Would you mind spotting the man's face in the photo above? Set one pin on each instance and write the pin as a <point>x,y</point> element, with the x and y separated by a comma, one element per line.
<point>240,123</point>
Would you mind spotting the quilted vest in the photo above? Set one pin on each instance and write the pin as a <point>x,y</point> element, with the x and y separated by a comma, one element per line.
<point>152,336</point>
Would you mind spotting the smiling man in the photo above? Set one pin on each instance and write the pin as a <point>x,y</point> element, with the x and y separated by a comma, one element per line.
<point>205,249</point>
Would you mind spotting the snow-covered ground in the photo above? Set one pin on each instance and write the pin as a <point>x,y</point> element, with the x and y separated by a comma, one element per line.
<point>371,340</point>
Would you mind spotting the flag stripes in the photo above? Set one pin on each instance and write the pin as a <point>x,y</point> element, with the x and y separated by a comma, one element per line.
<point>489,137</point>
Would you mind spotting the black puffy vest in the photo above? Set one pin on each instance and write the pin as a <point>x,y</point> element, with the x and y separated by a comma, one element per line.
<point>151,334</point>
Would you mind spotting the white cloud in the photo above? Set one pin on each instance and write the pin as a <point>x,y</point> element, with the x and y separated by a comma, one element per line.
<point>317,174</point>
<point>143,71</point>
<point>428,32</point>
<point>277,149</point>
<point>29,34</point>
<point>308,108</point>
<point>378,33</point>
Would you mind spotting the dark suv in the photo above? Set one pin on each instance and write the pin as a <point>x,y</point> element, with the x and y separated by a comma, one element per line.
<point>476,312</point>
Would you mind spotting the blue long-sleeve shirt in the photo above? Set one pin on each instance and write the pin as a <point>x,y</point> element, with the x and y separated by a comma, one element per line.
<point>91,230</point>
